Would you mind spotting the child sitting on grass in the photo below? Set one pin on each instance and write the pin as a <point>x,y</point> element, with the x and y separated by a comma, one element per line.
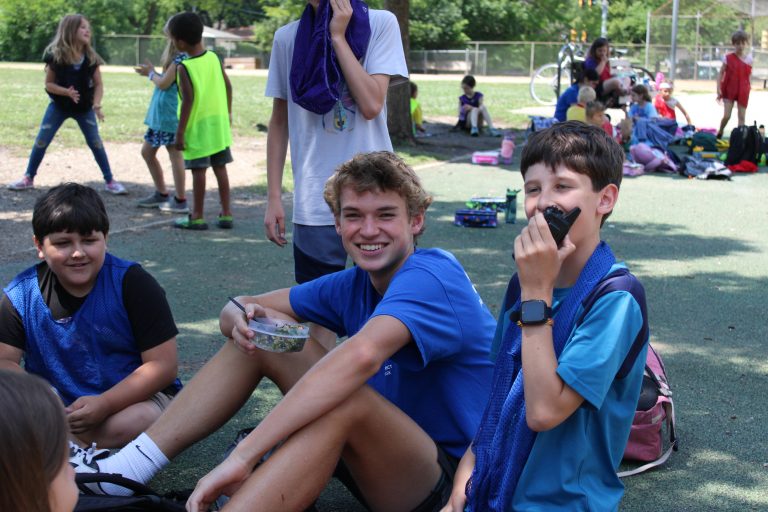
<point>472,111</point>
<point>96,327</point>
<point>666,104</point>
<point>417,117</point>
<point>641,103</point>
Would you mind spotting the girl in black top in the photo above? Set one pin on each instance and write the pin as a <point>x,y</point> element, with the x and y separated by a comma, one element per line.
<point>73,81</point>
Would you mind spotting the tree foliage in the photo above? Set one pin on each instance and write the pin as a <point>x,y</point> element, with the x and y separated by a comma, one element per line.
<point>26,26</point>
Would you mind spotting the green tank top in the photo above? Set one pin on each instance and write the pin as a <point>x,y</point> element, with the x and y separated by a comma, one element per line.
<point>208,130</point>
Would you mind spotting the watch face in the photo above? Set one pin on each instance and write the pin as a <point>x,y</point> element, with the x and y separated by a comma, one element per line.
<point>533,311</point>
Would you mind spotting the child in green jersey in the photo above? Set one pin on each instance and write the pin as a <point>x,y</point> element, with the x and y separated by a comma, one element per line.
<point>205,112</point>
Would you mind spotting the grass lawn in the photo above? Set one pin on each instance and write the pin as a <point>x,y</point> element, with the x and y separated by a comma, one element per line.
<point>126,97</point>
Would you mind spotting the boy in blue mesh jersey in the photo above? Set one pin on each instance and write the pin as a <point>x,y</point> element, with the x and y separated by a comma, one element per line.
<point>96,327</point>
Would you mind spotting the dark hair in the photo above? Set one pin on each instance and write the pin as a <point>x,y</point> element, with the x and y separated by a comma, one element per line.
<point>414,88</point>
<point>377,171</point>
<point>469,80</point>
<point>641,91</point>
<point>70,207</point>
<point>739,37</point>
<point>589,74</point>
<point>580,147</point>
<point>597,43</point>
<point>33,441</point>
<point>187,27</point>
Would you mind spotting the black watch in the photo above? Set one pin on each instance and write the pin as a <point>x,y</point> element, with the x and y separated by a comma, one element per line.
<point>532,312</point>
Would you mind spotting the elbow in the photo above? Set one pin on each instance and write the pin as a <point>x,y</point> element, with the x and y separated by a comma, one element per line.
<point>371,111</point>
<point>539,419</point>
<point>365,360</point>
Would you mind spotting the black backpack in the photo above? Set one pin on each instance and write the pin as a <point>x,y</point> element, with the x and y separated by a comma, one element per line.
<point>144,499</point>
<point>746,143</point>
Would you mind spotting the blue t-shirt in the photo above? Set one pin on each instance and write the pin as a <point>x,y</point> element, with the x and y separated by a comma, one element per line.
<point>647,111</point>
<point>162,113</point>
<point>442,379</point>
<point>568,98</point>
<point>573,466</point>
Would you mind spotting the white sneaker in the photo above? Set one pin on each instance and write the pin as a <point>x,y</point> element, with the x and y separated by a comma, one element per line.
<point>115,187</point>
<point>84,460</point>
<point>24,183</point>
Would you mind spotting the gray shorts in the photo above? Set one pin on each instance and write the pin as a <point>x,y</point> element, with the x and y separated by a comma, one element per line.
<point>317,251</point>
<point>223,157</point>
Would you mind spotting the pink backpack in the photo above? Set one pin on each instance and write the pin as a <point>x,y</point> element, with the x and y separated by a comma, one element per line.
<point>654,410</point>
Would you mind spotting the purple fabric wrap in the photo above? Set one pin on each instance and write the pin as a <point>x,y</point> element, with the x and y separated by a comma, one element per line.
<point>316,77</point>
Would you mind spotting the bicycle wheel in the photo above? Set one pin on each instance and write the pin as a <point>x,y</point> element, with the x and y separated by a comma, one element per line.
<point>544,84</point>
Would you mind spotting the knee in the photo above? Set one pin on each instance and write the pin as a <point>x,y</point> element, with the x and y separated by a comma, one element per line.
<point>96,143</point>
<point>147,153</point>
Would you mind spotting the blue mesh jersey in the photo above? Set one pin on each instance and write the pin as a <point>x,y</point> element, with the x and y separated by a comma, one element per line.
<point>442,379</point>
<point>87,353</point>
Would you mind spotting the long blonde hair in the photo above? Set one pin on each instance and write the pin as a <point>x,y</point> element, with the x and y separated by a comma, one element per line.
<point>65,49</point>
<point>170,52</point>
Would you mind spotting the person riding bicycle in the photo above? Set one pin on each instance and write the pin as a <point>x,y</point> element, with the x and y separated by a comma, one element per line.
<point>609,88</point>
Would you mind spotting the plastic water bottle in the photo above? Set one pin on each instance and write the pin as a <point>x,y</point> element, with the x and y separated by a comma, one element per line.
<point>507,148</point>
<point>510,207</point>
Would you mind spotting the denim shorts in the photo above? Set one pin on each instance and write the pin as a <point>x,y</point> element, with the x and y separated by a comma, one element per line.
<point>223,157</point>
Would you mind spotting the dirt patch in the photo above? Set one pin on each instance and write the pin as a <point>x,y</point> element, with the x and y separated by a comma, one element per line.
<point>62,164</point>
<point>77,164</point>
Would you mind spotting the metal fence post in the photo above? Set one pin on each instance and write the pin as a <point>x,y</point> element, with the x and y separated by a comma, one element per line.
<point>530,64</point>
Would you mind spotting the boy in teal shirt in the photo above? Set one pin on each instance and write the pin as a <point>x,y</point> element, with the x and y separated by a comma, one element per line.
<point>560,411</point>
<point>205,112</point>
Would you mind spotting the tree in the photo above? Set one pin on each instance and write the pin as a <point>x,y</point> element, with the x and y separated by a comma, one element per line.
<point>399,97</point>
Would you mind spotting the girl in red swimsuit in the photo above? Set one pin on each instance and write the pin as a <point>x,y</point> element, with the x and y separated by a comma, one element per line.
<point>733,83</point>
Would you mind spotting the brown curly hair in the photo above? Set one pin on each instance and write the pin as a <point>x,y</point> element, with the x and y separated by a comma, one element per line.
<point>377,171</point>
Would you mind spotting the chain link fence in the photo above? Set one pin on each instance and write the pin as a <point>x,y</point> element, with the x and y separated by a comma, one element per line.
<point>131,50</point>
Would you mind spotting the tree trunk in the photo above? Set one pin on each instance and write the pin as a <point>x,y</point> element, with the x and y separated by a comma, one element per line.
<point>399,96</point>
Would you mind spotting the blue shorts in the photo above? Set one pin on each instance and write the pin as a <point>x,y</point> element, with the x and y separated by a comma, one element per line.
<point>317,251</point>
<point>223,157</point>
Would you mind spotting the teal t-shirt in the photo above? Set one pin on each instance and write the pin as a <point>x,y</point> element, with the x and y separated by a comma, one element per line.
<point>573,466</point>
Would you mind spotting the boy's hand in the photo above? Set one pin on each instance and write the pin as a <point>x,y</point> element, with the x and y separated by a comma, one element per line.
<point>86,412</point>
<point>226,478</point>
<point>342,13</point>
<point>538,259</point>
<point>99,114</point>
<point>274,222</point>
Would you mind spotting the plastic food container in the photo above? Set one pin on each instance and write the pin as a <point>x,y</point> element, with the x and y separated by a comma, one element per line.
<point>278,335</point>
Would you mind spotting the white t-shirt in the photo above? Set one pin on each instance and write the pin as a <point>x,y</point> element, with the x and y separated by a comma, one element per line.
<point>319,143</point>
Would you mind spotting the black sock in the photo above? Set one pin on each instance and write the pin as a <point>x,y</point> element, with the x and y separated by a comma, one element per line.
<point>179,200</point>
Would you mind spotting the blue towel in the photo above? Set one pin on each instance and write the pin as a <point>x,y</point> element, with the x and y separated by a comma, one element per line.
<point>504,441</point>
<point>316,78</point>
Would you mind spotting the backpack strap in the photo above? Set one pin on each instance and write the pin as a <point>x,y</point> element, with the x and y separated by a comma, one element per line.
<point>621,280</point>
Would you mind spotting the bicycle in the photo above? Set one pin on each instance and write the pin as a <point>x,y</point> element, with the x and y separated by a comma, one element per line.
<point>545,82</point>
<point>545,85</point>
